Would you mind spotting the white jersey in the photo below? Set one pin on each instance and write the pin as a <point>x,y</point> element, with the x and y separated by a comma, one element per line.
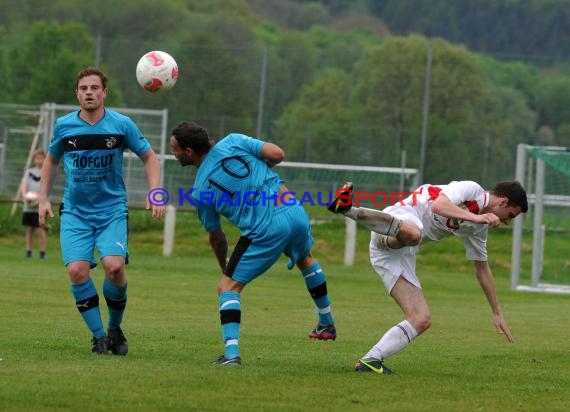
<point>467,195</point>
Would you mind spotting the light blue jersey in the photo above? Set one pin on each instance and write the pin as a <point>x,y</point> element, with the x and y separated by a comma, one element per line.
<point>235,182</point>
<point>93,160</point>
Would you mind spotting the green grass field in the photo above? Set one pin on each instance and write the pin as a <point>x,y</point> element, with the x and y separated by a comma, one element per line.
<point>172,323</point>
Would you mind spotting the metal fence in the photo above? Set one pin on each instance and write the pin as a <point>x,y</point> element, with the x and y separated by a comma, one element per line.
<point>25,128</point>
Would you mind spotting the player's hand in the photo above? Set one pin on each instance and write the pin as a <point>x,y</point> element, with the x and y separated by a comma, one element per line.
<point>158,212</point>
<point>489,218</point>
<point>43,212</point>
<point>502,328</point>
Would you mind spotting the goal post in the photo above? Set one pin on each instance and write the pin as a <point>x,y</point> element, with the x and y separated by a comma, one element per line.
<point>545,172</point>
<point>321,177</point>
<point>316,182</point>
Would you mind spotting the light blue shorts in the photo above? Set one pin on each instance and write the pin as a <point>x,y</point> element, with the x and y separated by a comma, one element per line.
<point>289,232</point>
<point>80,235</point>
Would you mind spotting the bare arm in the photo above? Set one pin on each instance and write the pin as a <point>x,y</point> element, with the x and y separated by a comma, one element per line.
<point>272,154</point>
<point>219,244</point>
<point>444,207</point>
<point>49,172</point>
<point>152,171</point>
<point>24,188</point>
<point>487,283</point>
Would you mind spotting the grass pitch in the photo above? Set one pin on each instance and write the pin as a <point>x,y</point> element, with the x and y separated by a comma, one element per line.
<point>172,324</point>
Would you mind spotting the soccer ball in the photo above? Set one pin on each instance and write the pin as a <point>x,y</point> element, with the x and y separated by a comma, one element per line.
<point>31,199</point>
<point>157,71</point>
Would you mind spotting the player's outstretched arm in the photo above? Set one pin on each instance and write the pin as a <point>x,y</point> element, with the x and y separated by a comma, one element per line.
<point>487,283</point>
<point>152,171</point>
<point>219,244</point>
<point>49,172</point>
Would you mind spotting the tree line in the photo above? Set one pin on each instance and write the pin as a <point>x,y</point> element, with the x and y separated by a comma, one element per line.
<point>325,94</point>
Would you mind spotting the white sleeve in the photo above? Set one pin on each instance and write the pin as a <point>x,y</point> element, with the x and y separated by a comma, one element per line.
<point>475,243</point>
<point>459,192</point>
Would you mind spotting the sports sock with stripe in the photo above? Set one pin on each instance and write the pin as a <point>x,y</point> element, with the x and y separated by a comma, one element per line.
<point>87,302</point>
<point>315,280</point>
<point>116,298</point>
<point>230,318</point>
<point>397,338</point>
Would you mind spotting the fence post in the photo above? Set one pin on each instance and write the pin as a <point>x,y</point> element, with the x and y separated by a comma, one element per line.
<point>169,230</point>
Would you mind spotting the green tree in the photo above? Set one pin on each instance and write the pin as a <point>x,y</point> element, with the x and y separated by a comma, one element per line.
<point>563,134</point>
<point>319,126</point>
<point>390,88</point>
<point>509,27</point>
<point>470,119</point>
<point>45,66</point>
<point>4,69</point>
<point>553,97</point>
<point>517,75</point>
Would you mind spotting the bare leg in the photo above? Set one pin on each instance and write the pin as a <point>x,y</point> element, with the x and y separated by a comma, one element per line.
<point>418,319</point>
<point>29,238</point>
<point>42,239</point>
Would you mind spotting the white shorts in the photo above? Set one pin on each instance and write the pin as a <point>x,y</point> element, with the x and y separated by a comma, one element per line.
<point>393,263</point>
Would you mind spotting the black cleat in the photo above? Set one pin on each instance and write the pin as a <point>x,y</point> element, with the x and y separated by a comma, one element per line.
<point>343,199</point>
<point>222,360</point>
<point>101,346</point>
<point>372,365</point>
<point>119,345</point>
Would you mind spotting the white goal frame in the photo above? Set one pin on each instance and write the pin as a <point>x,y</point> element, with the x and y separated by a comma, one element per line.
<point>351,226</point>
<point>538,199</point>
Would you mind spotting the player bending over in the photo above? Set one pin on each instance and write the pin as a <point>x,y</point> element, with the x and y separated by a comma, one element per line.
<point>235,180</point>
<point>433,212</point>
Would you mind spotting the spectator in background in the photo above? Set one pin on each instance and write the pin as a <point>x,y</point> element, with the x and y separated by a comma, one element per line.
<point>30,189</point>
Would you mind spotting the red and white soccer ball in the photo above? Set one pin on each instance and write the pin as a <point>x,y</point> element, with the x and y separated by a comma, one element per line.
<point>31,198</point>
<point>157,71</point>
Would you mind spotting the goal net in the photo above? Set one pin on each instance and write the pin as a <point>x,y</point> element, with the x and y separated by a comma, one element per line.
<point>540,246</point>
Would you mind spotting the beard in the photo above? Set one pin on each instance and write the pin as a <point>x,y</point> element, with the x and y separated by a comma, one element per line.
<point>90,105</point>
<point>185,162</point>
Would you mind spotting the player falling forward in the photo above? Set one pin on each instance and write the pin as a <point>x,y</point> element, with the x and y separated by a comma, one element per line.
<point>433,212</point>
<point>270,221</point>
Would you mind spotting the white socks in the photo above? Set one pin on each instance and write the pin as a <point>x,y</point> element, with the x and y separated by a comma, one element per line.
<point>375,220</point>
<point>393,341</point>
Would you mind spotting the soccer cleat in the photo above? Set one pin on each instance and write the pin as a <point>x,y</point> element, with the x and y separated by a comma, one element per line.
<point>119,345</point>
<point>323,333</point>
<point>222,360</point>
<point>372,365</point>
<point>342,205</point>
<point>101,346</point>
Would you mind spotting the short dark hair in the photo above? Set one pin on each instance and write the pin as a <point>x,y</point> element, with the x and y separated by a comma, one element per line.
<point>513,191</point>
<point>190,135</point>
<point>91,71</point>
